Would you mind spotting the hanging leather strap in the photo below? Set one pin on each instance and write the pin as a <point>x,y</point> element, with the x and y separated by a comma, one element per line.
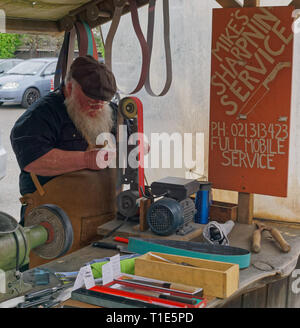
<point>119,5</point>
<point>37,184</point>
<point>146,46</point>
<point>82,38</point>
<point>86,40</point>
<point>143,44</point>
<point>140,118</point>
<point>62,61</point>
<point>71,49</point>
<point>168,59</point>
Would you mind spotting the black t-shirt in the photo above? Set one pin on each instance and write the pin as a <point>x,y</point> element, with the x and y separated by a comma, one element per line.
<point>44,126</point>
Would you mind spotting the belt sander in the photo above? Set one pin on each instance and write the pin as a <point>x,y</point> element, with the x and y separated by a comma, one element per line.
<point>175,210</point>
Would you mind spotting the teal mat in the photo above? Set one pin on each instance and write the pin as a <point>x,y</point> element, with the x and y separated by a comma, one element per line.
<point>220,253</point>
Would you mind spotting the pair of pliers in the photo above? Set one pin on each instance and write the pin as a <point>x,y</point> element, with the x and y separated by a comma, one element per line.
<point>256,238</point>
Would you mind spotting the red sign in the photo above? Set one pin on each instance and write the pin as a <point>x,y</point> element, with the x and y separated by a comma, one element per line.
<point>251,76</point>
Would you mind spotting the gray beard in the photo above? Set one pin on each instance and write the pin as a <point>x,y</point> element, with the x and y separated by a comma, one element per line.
<point>89,127</point>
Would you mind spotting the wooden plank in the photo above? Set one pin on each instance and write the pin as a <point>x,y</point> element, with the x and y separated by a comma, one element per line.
<point>131,229</point>
<point>251,3</point>
<point>293,290</point>
<point>277,294</point>
<point>229,3</point>
<point>31,26</point>
<point>255,299</point>
<point>245,208</point>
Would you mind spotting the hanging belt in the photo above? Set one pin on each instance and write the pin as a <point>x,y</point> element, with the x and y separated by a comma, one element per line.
<point>146,46</point>
<point>140,124</point>
<point>168,59</point>
<point>82,38</point>
<point>86,40</point>
<point>143,44</point>
<point>119,5</point>
<point>62,61</point>
<point>71,49</point>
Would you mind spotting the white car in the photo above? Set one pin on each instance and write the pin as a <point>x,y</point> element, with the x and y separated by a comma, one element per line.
<point>3,160</point>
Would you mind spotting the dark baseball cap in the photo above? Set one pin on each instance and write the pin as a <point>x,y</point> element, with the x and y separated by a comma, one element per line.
<point>95,78</point>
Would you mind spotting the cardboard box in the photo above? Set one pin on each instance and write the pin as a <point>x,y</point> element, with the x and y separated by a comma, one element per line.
<point>222,212</point>
<point>218,279</point>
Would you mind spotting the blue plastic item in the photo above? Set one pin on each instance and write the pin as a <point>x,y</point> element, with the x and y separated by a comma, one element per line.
<point>202,203</point>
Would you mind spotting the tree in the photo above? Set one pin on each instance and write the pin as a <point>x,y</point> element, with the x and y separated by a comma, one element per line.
<point>33,43</point>
<point>9,44</point>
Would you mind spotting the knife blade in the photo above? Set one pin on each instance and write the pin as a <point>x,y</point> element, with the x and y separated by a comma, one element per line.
<point>116,247</point>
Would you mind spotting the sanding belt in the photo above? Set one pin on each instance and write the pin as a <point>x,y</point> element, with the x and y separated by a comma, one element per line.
<point>146,46</point>
<point>227,254</point>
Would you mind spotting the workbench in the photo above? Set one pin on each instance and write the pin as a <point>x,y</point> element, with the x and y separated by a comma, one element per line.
<point>269,281</point>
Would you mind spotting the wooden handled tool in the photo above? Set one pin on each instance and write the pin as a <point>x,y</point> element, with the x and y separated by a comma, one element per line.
<point>256,238</point>
<point>281,241</point>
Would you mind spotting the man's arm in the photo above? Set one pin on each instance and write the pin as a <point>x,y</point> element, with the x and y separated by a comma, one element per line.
<point>57,162</point>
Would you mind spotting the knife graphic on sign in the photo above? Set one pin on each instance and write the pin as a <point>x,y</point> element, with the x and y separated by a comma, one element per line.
<point>265,85</point>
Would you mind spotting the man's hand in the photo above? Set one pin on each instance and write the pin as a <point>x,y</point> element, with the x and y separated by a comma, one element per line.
<point>96,159</point>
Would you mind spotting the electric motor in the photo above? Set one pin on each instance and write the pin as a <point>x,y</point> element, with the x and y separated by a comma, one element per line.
<point>167,216</point>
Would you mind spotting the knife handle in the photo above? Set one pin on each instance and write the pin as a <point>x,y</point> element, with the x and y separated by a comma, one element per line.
<point>180,299</point>
<point>183,288</point>
<point>121,239</point>
<point>104,245</point>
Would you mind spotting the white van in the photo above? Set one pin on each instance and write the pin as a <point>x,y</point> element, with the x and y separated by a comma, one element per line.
<point>3,160</point>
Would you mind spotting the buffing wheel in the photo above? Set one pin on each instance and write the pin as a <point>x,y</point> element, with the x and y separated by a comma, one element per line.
<point>60,231</point>
<point>128,107</point>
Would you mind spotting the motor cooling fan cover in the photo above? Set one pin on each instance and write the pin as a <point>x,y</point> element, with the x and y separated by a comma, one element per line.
<point>127,203</point>
<point>165,216</point>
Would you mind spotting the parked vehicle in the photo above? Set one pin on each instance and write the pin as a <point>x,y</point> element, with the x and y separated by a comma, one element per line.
<point>7,64</point>
<point>28,81</point>
<point>3,160</point>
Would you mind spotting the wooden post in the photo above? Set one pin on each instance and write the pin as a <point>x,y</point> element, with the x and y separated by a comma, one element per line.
<point>228,3</point>
<point>295,3</point>
<point>251,3</point>
<point>246,200</point>
<point>144,206</point>
<point>245,208</point>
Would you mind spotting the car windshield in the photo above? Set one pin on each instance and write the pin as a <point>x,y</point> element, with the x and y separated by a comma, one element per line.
<point>4,66</point>
<point>27,68</point>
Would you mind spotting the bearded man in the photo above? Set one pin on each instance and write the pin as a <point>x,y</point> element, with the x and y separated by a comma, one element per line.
<point>55,145</point>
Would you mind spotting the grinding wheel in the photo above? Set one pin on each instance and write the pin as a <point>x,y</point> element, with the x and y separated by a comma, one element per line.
<point>128,107</point>
<point>127,203</point>
<point>60,231</point>
<point>8,224</point>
